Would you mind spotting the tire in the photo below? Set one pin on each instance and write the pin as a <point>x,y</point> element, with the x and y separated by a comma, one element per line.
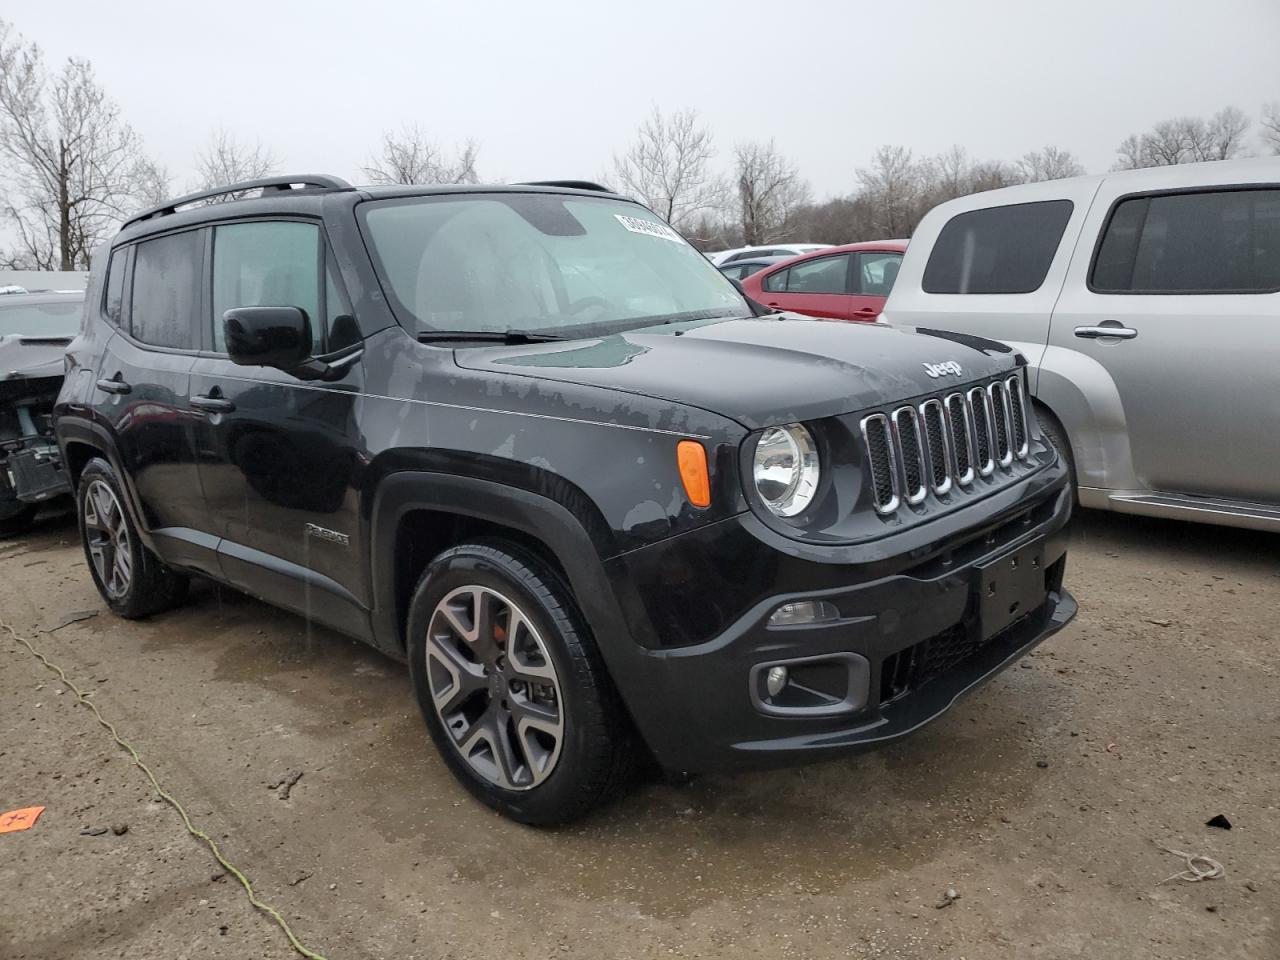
<point>130,578</point>
<point>490,698</point>
<point>1057,436</point>
<point>16,518</point>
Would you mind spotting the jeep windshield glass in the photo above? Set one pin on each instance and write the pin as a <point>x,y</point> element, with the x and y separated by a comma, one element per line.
<point>58,319</point>
<point>542,263</point>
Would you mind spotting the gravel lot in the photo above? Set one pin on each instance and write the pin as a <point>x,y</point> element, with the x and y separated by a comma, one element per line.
<point>1038,800</point>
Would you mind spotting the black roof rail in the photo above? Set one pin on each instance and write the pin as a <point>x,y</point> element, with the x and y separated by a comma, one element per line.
<point>305,181</point>
<point>570,184</point>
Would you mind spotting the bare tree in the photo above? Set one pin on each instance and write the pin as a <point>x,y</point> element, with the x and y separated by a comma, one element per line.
<point>769,191</point>
<point>669,167</point>
<point>1186,140</point>
<point>409,157</point>
<point>893,186</point>
<point>1051,163</point>
<point>1271,126</point>
<point>70,161</point>
<point>153,185</point>
<point>224,160</point>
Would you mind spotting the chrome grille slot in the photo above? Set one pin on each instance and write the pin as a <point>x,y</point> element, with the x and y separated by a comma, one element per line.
<point>943,444</point>
<point>1018,412</point>
<point>934,418</point>
<point>907,445</point>
<point>961,437</point>
<point>884,466</point>
<point>980,416</point>
<point>1000,418</point>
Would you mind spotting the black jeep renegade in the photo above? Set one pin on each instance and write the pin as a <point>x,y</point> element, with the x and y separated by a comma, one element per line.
<point>528,439</point>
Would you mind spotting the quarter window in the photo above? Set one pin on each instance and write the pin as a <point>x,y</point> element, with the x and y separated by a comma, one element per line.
<point>113,300</point>
<point>166,278</point>
<point>1223,241</point>
<point>823,275</point>
<point>876,273</point>
<point>997,250</point>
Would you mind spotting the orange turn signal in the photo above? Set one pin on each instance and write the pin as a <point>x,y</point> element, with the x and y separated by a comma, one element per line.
<point>692,459</point>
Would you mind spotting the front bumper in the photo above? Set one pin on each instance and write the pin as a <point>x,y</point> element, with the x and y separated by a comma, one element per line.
<point>913,625</point>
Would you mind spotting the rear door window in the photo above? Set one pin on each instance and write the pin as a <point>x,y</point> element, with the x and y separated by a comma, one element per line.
<point>166,290</point>
<point>1004,249</point>
<point>823,275</point>
<point>1219,241</point>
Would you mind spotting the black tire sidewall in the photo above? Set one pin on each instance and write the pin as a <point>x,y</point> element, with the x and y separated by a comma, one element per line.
<point>558,798</point>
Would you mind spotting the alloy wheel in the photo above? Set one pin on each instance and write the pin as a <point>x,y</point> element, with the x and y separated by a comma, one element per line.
<point>495,687</point>
<point>107,536</point>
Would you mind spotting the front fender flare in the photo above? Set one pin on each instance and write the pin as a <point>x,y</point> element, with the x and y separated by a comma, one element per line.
<point>532,514</point>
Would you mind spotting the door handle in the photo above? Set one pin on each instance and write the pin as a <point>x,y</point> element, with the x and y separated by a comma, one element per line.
<point>1096,333</point>
<point>114,385</point>
<point>212,404</point>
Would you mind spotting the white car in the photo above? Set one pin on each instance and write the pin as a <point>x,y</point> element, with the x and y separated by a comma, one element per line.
<point>771,250</point>
<point>1147,304</point>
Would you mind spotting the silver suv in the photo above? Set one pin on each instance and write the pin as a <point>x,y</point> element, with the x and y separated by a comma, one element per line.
<point>1148,306</point>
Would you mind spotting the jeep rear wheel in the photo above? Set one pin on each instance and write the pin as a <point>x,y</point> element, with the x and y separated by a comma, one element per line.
<point>511,686</point>
<point>130,578</point>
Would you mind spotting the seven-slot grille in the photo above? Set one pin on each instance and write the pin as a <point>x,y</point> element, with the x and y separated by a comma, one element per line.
<point>945,441</point>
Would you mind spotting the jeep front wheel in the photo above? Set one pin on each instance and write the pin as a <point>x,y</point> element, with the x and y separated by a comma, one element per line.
<point>511,686</point>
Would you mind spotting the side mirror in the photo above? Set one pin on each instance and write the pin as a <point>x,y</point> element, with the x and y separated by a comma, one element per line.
<point>277,337</point>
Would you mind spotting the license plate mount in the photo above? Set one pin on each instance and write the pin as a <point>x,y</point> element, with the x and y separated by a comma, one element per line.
<point>1010,587</point>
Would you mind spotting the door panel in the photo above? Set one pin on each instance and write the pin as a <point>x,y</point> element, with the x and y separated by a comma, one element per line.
<point>142,394</point>
<point>278,466</point>
<point>1195,372</point>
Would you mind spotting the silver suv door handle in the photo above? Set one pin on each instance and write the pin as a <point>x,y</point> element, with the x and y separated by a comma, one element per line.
<point>1093,333</point>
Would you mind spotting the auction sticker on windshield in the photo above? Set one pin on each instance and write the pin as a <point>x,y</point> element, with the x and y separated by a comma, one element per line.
<point>649,228</point>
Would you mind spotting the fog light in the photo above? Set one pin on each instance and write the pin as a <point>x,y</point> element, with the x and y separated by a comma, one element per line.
<point>775,681</point>
<point>803,611</point>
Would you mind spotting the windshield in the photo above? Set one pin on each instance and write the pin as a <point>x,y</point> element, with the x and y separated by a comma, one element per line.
<point>61,318</point>
<point>542,263</point>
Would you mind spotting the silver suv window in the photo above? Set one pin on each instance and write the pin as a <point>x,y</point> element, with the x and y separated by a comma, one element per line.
<point>997,250</point>
<point>1218,241</point>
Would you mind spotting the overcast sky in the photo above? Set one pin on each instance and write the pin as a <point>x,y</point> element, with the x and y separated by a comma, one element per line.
<point>551,88</point>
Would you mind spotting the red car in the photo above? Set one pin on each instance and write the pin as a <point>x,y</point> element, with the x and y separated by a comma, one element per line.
<point>848,283</point>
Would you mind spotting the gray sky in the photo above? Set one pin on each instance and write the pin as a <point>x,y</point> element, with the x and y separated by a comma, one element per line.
<point>551,88</point>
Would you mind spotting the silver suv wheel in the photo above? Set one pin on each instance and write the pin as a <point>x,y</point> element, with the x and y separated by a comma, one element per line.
<point>495,688</point>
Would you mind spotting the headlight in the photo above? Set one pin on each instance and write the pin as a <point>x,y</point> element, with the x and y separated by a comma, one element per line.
<point>786,469</point>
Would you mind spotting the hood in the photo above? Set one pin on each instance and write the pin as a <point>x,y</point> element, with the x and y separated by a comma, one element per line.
<point>30,358</point>
<point>761,370</point>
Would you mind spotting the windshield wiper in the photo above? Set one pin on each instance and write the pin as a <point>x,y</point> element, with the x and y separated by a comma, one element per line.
<point>485,336</point>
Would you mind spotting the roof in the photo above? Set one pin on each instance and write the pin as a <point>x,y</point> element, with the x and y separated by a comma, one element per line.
<point>304,193</point>
<point>1171,177</point>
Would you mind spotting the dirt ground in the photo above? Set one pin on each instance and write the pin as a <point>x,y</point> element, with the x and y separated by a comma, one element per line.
<point>1157,709</point>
